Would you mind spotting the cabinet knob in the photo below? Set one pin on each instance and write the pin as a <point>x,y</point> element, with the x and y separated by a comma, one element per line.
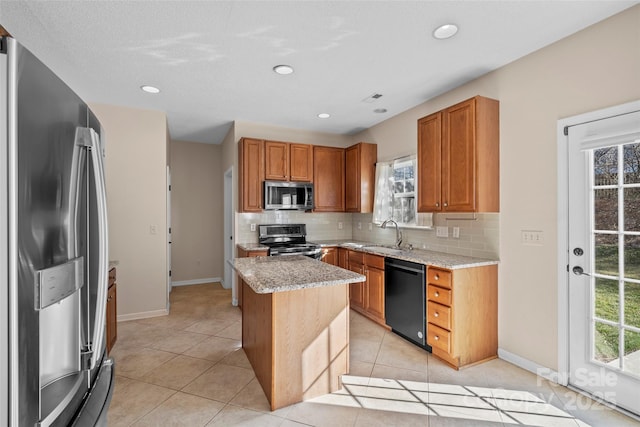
<point>437,204</point>
<point>437,277</point>
<point>436,314</point>
<point>437,294</point>
<point>446,204</point>
<point>436,338</point>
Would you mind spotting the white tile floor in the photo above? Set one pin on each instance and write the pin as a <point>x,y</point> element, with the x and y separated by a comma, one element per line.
<point>188,369</point>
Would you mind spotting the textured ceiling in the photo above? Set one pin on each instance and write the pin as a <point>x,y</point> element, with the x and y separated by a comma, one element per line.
<point>213,59</point>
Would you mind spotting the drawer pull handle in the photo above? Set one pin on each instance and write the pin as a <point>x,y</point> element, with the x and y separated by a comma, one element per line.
<point>437,277</point>
<point>437,294</point>
<point>436,314</point>
<point>436,338</point>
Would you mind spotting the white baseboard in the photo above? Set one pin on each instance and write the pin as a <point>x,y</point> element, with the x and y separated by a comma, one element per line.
<point>142,315</point>
<point>197,281</point>
<point>528,365</point>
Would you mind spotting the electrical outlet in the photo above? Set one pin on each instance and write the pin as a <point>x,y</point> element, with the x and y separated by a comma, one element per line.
<point>456,232</point>
<point>153,229</point>
<point>532,237</point>
<point>253,227</point>
<point>442,231</point>
<point>340,225</point>
<point>359,225</point>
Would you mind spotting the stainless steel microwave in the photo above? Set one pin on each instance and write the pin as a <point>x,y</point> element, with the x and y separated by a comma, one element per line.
<point>288,195</point>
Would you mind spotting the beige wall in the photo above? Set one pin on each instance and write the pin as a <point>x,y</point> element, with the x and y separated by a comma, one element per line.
<point>593,69</point>
<point>136,174</point>
<point>196,211</point>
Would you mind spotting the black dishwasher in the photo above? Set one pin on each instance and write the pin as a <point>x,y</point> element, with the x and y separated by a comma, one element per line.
<point>405,299</point>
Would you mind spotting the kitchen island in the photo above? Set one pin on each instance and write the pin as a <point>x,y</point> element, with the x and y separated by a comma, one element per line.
<point>295,325</point>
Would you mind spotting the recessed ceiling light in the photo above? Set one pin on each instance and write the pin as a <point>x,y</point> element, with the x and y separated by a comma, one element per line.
<point>324,115</point>
<point>445,31</point>
<point>283,69</point>
<point>150,89</point>
<point>380,110</point>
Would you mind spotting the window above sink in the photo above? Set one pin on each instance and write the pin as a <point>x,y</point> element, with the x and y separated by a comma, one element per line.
<point>395,194</point>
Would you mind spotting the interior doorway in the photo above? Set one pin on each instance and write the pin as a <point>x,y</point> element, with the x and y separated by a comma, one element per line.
<point>228,234</point>
<point>601,282</point>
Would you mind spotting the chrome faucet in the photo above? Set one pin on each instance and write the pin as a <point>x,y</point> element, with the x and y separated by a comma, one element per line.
<point>398,232</point>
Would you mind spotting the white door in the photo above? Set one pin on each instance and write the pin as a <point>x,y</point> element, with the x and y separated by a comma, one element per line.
<point>604,259</point>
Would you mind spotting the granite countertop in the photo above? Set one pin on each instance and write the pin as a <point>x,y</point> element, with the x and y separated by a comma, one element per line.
<point>420,256</point>
<point>253,247</point>
<point>267,275</point>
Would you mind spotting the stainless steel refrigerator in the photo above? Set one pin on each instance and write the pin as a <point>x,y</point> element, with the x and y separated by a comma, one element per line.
<point>53,250</point>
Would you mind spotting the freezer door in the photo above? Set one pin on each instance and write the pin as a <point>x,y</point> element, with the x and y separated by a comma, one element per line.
<point>54,271</point>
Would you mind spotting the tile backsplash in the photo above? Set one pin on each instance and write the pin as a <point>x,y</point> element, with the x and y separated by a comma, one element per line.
<point>320,226</point>
<point>478,233</point>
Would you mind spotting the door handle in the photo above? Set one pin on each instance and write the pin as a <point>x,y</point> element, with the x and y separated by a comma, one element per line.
<point>578,271</point>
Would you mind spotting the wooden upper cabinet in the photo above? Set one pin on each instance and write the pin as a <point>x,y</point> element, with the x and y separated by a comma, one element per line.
<point>429,163</point>
<point>459,159</point>
<point>251,174</point>
<point>301,162</point>
<point>360,171</point>
<point>276,160</point>
<point>328,179</point>
<point>288,161</point>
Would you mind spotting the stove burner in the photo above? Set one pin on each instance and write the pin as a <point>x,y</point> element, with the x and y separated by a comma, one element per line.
<point>289,239</point>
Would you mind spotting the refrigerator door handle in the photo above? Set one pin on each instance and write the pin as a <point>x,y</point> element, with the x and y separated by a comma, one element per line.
<point>95,353</point>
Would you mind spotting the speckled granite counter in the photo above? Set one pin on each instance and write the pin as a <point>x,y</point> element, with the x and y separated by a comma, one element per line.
<point>253,247</point>
<point>287,273</point>
<point>420,256</point>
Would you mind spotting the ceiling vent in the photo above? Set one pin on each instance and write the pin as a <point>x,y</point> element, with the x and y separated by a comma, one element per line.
<point>372,98</point>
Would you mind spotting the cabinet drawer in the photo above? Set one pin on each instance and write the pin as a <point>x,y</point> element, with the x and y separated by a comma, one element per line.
<point>439,314</point>
<point>374,261</point>
<point>438,338</point>
<point>357,257</point>
<point>439,277</point>
<point>439,295</point>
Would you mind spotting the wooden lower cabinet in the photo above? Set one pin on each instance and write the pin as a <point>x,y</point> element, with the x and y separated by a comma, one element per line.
<point>329,255</point>
<point>112,311</point>
<point>343,258</point>
<point>462,314</point>
<point>367,298</point>
<point>242,253</point>
<point>375,293</point>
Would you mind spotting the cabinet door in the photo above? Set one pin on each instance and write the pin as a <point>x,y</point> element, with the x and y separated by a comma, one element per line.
<point>458,157</point>
<point>429,163</point>
<point>276,163</point>
<point>328,179</point>
<point>343,258</point>
<point>356,290</point>
<point>375,292</point>
<point>251,175</point>
<point>352,179</point>
<point>301,162</point>
<point>330,256</point>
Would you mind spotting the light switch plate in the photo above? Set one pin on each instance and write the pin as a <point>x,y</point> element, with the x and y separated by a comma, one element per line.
<point>442,231</point>
<point>532,237</point>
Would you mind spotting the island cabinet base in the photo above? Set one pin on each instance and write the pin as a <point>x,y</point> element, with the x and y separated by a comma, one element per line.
<point>297,341</point>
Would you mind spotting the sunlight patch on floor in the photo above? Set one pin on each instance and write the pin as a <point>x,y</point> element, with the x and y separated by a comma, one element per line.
<point>449,400</point>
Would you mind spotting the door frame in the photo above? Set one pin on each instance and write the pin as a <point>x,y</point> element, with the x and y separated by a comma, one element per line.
<point>563,225</point>
<point>228,234</point>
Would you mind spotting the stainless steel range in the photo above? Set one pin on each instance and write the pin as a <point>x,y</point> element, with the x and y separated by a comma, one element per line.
<point>287,239</point>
